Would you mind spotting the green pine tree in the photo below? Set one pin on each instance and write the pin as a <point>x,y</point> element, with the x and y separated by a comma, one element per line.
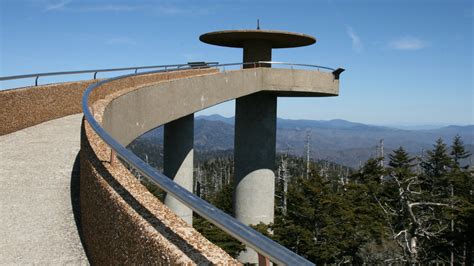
<point>458,152</point>
<point>461,233</point>
<point>438,161</point>
<point>222,200</point>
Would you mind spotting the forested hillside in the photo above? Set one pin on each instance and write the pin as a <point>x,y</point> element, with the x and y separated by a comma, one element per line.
<point>409,210</point>
<point>339,141</point>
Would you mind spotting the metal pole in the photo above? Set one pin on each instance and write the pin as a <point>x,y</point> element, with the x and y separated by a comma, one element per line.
<point>112,157</point>
<point>263,261</point>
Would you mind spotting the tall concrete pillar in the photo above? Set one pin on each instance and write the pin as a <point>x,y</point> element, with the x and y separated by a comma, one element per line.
<point>178,155</point>
<point>255,127</point>
<point>254,155</point>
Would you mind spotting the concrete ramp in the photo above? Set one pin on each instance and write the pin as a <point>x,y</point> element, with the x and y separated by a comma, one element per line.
<point>38,189</point>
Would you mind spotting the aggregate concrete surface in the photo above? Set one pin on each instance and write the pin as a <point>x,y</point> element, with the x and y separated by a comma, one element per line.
<point>37,223</point>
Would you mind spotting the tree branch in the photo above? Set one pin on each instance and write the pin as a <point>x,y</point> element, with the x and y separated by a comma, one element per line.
<point>427,204</point>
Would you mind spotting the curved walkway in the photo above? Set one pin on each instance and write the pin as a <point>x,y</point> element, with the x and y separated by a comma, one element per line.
<point>37,193</point>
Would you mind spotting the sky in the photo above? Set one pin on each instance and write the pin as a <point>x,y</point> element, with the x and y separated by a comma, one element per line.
<point>408,62</point>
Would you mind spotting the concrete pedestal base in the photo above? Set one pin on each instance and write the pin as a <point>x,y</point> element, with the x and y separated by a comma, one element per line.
<point>255,137</point>
<point>178,155</point>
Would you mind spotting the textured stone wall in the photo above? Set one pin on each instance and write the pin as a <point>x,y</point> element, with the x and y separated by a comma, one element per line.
<point>29,106</point>
<point>121,221</point>
<point>25,107</point>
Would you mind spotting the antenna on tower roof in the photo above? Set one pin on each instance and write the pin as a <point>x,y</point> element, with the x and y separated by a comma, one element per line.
<point>258,24</point>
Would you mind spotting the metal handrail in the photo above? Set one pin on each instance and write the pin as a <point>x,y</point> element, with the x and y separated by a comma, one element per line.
<point>250,237</point>
<point>95,71</point>
<point>275,63</point>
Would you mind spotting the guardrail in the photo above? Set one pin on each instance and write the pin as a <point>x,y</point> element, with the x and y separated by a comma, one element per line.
<point>335,72</point>
<point>250,237</point>
<point>165,68</point>
<point>95,71</point>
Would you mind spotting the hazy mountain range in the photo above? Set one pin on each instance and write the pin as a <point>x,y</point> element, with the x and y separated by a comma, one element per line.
<point>337,140</point>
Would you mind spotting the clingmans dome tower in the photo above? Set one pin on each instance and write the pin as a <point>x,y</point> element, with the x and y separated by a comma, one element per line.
<point>255,125</point>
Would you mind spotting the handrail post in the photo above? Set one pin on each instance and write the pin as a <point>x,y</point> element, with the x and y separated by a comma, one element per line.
<point>136,70</point>
<point>263,261</point>
<point>36,80</point>
<point>95,75</point>
<point>112,157</point>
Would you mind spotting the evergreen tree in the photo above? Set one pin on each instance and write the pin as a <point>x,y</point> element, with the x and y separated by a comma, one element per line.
<point>328,221</point>
<point>223,201</point>
<point>371,187</point>
<point>375,216</point>
<point>371,175</point>
<point>461,179</point>
<point>438,162</point>
<point>458,151</point>
<point>414,215</point>
<point>401,162</point>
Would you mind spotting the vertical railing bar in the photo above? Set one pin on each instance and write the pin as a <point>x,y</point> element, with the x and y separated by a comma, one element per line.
<point>112,156</point>
<point>263,261</point>
<point>36,80</point>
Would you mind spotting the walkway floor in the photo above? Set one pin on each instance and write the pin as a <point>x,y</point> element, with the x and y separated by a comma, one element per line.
<point>38,189</point>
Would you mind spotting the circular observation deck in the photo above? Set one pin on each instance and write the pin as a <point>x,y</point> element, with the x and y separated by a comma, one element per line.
<point>239,38</point>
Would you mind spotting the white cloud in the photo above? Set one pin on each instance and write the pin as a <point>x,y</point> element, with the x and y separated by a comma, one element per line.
<point>59,5</point>
<point>407,43</point>
<point>356,42</point>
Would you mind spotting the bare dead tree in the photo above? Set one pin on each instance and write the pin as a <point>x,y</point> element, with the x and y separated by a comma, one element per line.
<point>410,217</point>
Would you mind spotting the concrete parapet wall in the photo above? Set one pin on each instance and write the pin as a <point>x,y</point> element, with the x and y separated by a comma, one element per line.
<point>29,106</point>
<point>141,110</point>
<point>298,82</point>
<point>121,221</point>
<point>25,107</point>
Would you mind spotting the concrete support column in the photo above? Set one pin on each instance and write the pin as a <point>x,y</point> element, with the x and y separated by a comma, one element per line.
<point>254,155</point>
<point>257,50</point>
<point>178,158</point>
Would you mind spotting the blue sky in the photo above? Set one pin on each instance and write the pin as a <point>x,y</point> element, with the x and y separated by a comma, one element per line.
<point>408,62</point>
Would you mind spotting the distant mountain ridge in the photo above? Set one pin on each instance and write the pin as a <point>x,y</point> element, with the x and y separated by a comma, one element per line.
<point>337,123</point>
<point>337,140</point>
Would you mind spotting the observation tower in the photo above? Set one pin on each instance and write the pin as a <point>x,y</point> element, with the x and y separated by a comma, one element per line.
<point>255,125</point>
